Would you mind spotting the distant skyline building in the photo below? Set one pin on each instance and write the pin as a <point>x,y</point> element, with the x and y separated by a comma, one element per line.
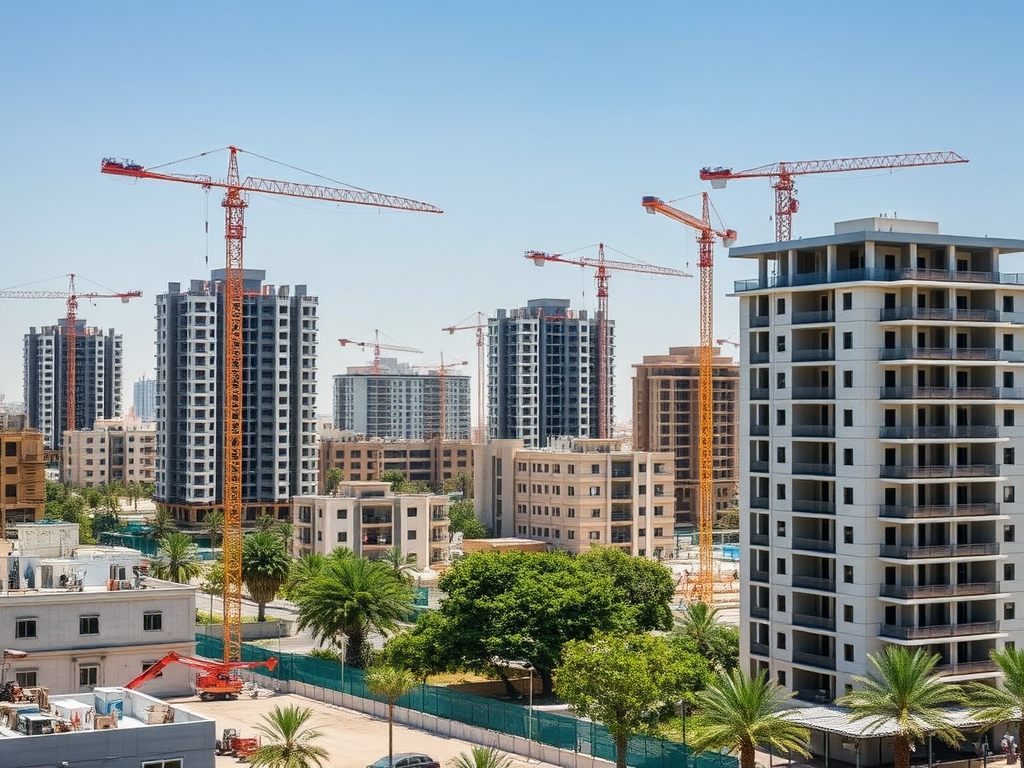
<point>144,399</point>
<point>542,373</point>
<point>98,361</point>
<point>279,443</point>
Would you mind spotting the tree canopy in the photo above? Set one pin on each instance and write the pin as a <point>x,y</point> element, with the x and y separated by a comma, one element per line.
<point>177,559</point>
<point>265,567</point>
<point>699,628</point>
<point>1005,701</point>
<point>462,519</point>
<point>287,742</point>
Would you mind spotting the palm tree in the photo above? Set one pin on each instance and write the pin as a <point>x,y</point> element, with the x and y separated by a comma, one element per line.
<point>162,525</point>
<point>392,683</point>
<point>214,525</point>
<point>481,757</point>
<point>718,643</point>
<point>350,596</point>
<point>1005,702</point>
<point>177,559</point>
<point>743,713</point>
<point>906,692</point>
<point>401,562</point>
<point>265,567</point>
<point>289,743</point>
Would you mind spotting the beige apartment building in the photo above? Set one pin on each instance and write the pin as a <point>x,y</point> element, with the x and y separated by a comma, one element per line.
<point>578,493</point>
<point>368,518</point>
<point>665,418</point>
<point>23,468</point>
<point>115,450</point>
<point>430,461</point>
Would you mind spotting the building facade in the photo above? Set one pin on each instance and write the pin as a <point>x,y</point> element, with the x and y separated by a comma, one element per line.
<point>368,518</point>
<point>400,404</point>
<point>430,461</point>
<point>882,385</point>
<point>23,468</point>
<point>666,418</point>
<point>542,373</point>
<point>97,379</point>
<point>121,451</point>
<point>577,494</point>
<point>144,399</point>
<point>279,444</point>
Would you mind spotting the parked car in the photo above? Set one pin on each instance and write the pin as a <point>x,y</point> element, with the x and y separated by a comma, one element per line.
<point>407,760</point>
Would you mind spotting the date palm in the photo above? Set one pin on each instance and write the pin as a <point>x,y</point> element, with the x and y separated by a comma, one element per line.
<point>481,757</point>
<point>1005,702</point>
<point>214,525</point>
<point>288,743</point>
<point>742,713</point>
<point>905,691</point>
<point>177,559</point>
<point>265,567</point>
<point>392,683</point>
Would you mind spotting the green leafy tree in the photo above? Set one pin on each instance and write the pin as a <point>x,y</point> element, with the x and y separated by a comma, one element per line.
<point>162,525</point>
<point>743,713</point>
<point>422,648</point>
<point>93,496</point>
<point>623,681</point>
<point>105,520</point>
<point>332,479</point>
<point>646,586</point>
<point>348,597</point>
<point>395,477</point>
<point>133,490</point>
<point>700,628</point>
<point>265,567</point>
<point>481,757</point>
<point>904,690</point>
<point>213,524</point>
<point>177,559</point>
<point>287,741</point>
<point>1005,701</point>
<point>462,519</point>
<point>392,683</point>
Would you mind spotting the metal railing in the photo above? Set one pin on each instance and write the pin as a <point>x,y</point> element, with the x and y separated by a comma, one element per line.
<point>815,582</point>
<point>761,393</point>
<point>759,466</point>
<point>938,630</point>
<point>948,432</point>
<point>759,502</point>
<point>814,545</point>
<point>814,393</point>
<point>939,550</point>
<point>811,318</point>
<point>814,622</point>
<point>759,539</point>
<point>902,472</point>
<point>807,468</point>
<point>814,507</point>
<point>756,575</point>
<point>759,357</point>
<point>938,590</point>
<point>814,430</point>
<point>812,355</point>
<point>759,430</point>
<point>938,510</point>
<point>952,393</point>
<point>939,313</point>
<point>814,660</point>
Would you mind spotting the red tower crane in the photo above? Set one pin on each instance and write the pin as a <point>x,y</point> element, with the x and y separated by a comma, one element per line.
<point>705,410</point>
<point>442,372</point>
<point>780,176</point>
<point>70,335</point>
<point>602,266</point>
<point>236,191</point>
<point>480,433</point>
<point>377,347</point>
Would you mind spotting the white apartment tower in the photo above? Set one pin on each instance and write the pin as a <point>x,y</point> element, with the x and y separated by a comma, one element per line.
<point>881,405</point>
<point>97,379</point>
<point>280,453</point>
<point>144,399</point>
<point>542,373</point>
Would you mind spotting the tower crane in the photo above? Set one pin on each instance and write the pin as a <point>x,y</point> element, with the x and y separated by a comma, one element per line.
<point>780,177</point>
<point>236,191</point>
<point>442,370</point>
<point>377,347</point>
<point>70,335</point>
<point>480,434</point>
<point>705,410</point>
<point>602,267</point>
<point>730,342</point>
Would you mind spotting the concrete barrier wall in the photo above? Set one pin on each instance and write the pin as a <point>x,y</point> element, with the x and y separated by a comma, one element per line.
<point>252,630</point>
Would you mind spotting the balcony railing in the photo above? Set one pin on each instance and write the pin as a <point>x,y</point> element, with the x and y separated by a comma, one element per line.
<point>814,545</point>
<point>814,660</point>
<point>758,649</point>
<point>948,432</point>
<point>756,575</point>
<point>815,582</point>
<point>877,275</point>
<point>759,466</point>
<point>805,468</point>
<point>759,539</point>
<point>812,355</point>
<point>759,357</point>
<point>621,517</point>
<point>760,393</point>
<point>938,590</point>
<point>938,510</point>
<point>814,430</point>
<point>939,550</point>
<point>965,668</point>
<point>938,630</point>
<point>759,502</point>
<point>952,393</point>
<point>759,321</point>
<point>810,318</point>
<point>944,353</point>
<point>814,393</point>
<point>759,612</point>
<point>939,313</point>
<point>759,430</point>
<point>814,622</point>
<point>814,507</point>
<point>901,472</point>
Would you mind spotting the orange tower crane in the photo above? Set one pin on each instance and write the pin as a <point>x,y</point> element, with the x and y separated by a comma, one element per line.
<point>236,191</point>
<point>602,266</point>
<point>780,176</point>
<point>442,372</point>
<point>480,433</point>
<point>377,347</point>
<point>705,410</point>
<point>70,334</point>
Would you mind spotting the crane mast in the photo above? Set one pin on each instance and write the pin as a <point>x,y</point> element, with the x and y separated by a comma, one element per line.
<point>480,433</point>
<point>705,585</point>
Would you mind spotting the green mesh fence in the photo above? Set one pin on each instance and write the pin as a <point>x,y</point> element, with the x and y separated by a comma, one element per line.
<point>546,727</point>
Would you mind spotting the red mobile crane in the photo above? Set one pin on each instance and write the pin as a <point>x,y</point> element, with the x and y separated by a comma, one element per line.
<point>215,679</point>
<point>235,202</point>
<point>480,433</point>
<point>780,176</point>
<point>602,266</point>
<point>377,347</point>
<point>705,487</point>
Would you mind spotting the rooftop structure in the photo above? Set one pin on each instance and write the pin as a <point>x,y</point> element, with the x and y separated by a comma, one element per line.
<point>431,461</point>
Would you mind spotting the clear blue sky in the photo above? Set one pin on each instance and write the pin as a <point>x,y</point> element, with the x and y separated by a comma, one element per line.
<point>535,125</point>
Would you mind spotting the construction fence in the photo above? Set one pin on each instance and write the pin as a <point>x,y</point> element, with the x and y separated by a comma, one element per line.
<point>558,738</point>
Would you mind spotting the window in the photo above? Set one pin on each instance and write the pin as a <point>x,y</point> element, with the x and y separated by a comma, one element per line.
<point>781,677</point>
<point>780,491</point>
<point>780,418</point>
<point>780,528</point>
<point>595,469</point>
<point>27,678</point>
<point>342,537</point>
<point>847,495</point>
<point>780,603</point>
<point>1007,455</point>
<point>847,379</point>
<point>847,339</point>
<point>780,640</point>
<point>847,534</point>
<point>1008,493</point>
<point>848,574</point>
<point>1008,418</point>
<point>1009,609</point>
<point>595,490</point>
<point>1007,379</point>
<point>848,613</point>
<point>595,513</point>
<point>411,512</point>
<point>847,301</point>
<point>571,512</point>
<point>780,306</point>
<point>780,565</point>
<point>171,763</point>
<point>847,417</point>
<point>848,457</point>
<point>343,514</point>
<point>1009,532</point>
<point>780,343</point>
<point>847,651</point>
<point>410,535</point>
<point>149,665</point>
<point>594,535</point>
<point>1007,341</point>
<point>152,621</point>
<point>780,381</point>
<point>1007,303</point>
<point>88,675</point>
<point>780,454</point>
<point>89,625</point>
<point>1009,571</point>
<point>25,628</point>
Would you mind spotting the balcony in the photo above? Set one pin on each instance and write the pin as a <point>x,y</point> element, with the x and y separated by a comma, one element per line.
<point>938,630</point>
<point>759,430</point>
<point>903,472</point>
<point>758,649</point>
<point>814,507</point>
<point>759,357</point>
<point>814,430</point>
<point>814,660</point>
<point>760,393</point>
<point>759,321</point>
<point>939,550</point>
<point>938,590</point>
<point>759,539</point>
<point>622,516</point>
<point>937,510</point>
<point>952,393</point>
<point>813,355</point>
<point>756,575</point>
<point>948,432</point>
<point>759,466</point>
<point>814,622</point>
<point>759,502</point>
<point>805,468</point>
<point>947,314</point>
<point>814,393</point>
<point>877,275</point>
<point>989,354</point>
<point>966,668</point>
<point>759,612</point>
<point>814,318</point>
<point>815,582</point>
<point>814,545</point>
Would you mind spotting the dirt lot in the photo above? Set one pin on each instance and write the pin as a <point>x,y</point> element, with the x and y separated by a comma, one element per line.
<point>352,739</point>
